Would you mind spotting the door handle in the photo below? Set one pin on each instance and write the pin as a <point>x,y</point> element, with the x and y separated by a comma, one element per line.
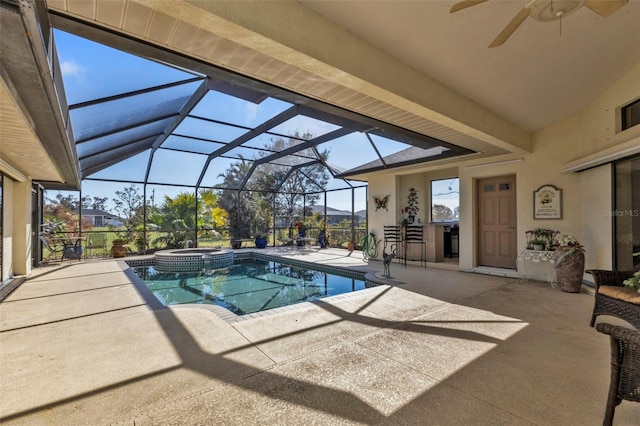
<point>512,227</point>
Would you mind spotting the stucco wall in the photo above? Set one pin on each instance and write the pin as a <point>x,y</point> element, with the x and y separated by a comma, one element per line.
<point>22,228</point>
<point>597,223</point>
<point>599,123</point>
<point>7,228</point>
<point>379,186</point>
<point>587,195</point>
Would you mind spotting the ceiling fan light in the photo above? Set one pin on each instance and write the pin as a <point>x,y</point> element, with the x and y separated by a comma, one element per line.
<point>552,10</point>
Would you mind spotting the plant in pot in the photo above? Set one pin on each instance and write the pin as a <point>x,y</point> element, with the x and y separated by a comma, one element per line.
<point>541,239</point>
<point>634,281</point>
<point>261,241</point>
<point>260,229</point>
<point>568,260</point>
<point>141,239</point>
<point>302,232</point>
<point>537,243</point>
<point>404,216</point>
<point>118,248</point>
<point>141,243</point>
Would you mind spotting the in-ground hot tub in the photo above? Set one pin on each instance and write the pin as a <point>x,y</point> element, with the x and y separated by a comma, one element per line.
<point>193,258</point>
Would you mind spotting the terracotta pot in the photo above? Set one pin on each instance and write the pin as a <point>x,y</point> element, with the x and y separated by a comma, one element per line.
<point>569,267</point>
<point>118,250</point>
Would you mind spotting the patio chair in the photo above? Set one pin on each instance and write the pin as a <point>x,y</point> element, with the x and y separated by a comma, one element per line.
<point>97,242</point>
<point>613,297</point>
<point>392,238</point>
<point>415,236</point>
<point>52,248</point>
<point>625,367</point>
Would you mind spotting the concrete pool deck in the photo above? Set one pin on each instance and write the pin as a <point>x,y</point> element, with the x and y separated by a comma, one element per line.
<point>80,344</point>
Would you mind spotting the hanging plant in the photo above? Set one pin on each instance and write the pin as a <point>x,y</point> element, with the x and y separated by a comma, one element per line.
<point>381,202</point>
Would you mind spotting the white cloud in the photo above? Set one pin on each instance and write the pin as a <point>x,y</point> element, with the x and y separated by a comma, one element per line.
<point>72,69</point>
<point>250,112</point>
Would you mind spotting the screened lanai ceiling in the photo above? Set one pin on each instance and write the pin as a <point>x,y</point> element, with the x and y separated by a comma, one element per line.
<point>141,120</point>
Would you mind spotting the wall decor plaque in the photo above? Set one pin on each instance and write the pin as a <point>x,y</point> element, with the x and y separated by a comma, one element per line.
<point>547,202</point>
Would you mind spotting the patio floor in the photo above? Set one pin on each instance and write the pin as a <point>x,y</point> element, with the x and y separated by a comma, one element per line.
<point>81,344</point>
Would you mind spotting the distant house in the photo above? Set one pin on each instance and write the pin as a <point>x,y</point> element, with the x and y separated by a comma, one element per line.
<point>100,218</point>
<point>337,216</point>
<point>333,216</point>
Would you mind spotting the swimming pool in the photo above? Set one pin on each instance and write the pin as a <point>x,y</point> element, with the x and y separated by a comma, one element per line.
<point>248,286</point>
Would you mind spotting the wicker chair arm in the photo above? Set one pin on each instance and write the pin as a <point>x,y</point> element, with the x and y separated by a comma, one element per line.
<point>611,278</point>
<point>621,333</point>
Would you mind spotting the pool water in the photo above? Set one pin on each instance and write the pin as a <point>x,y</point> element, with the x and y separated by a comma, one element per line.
<point>248,286</point>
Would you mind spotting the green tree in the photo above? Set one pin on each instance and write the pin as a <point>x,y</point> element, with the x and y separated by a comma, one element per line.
<point>441,212</point>
<point>251,210</point>
<point>234,202</point>
<point>129,206</point>
<point>211,217</point>
<point>291,188</point>
<point>61,211</point>
<point>176,218</point>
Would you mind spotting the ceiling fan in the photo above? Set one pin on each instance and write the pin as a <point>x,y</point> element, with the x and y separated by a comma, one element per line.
<point>545,11</point>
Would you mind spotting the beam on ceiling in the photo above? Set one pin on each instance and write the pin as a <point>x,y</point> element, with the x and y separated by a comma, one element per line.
<point>197,96</point>
<point>93,102</point>
<point>98,164</point>
<point>117,147</point>
<point>297,167</point>
<point>338,133</point>
<point>125,128</point>
<point>272,122</point>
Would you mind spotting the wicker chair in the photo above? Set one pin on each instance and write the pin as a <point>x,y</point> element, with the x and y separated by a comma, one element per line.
<point>605,305</point>
<point>625,367</point>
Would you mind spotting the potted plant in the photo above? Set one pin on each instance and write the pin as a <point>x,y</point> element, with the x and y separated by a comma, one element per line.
<point>141,243</point>
<point>118,248</point>
<point>261,241</point>
<point>260,230</point>
<point>568,260</point>
<point>537,244</point>
<point>541,239</point>
<point>634,281</point>
<point>404,218</point>
<point>302,233</point>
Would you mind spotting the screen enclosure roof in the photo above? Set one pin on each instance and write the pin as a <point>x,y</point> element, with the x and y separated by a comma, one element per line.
<point>144,115</point>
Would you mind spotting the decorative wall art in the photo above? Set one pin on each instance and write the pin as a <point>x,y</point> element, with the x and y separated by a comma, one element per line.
<point>412,205</point>
<point>381,202</point>
<point>547,202</point>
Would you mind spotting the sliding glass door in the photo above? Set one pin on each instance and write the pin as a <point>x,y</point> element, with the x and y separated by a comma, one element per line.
<point>627,214</point>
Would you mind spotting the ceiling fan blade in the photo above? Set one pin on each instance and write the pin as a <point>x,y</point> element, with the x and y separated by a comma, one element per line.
<point>511,27</point>
<point>605,8</point>
<point>465,4</point>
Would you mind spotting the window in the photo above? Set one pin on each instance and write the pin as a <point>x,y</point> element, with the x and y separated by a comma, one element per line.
<point>630,114</point>
<point>626,214</point>
<point>445,200</point>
